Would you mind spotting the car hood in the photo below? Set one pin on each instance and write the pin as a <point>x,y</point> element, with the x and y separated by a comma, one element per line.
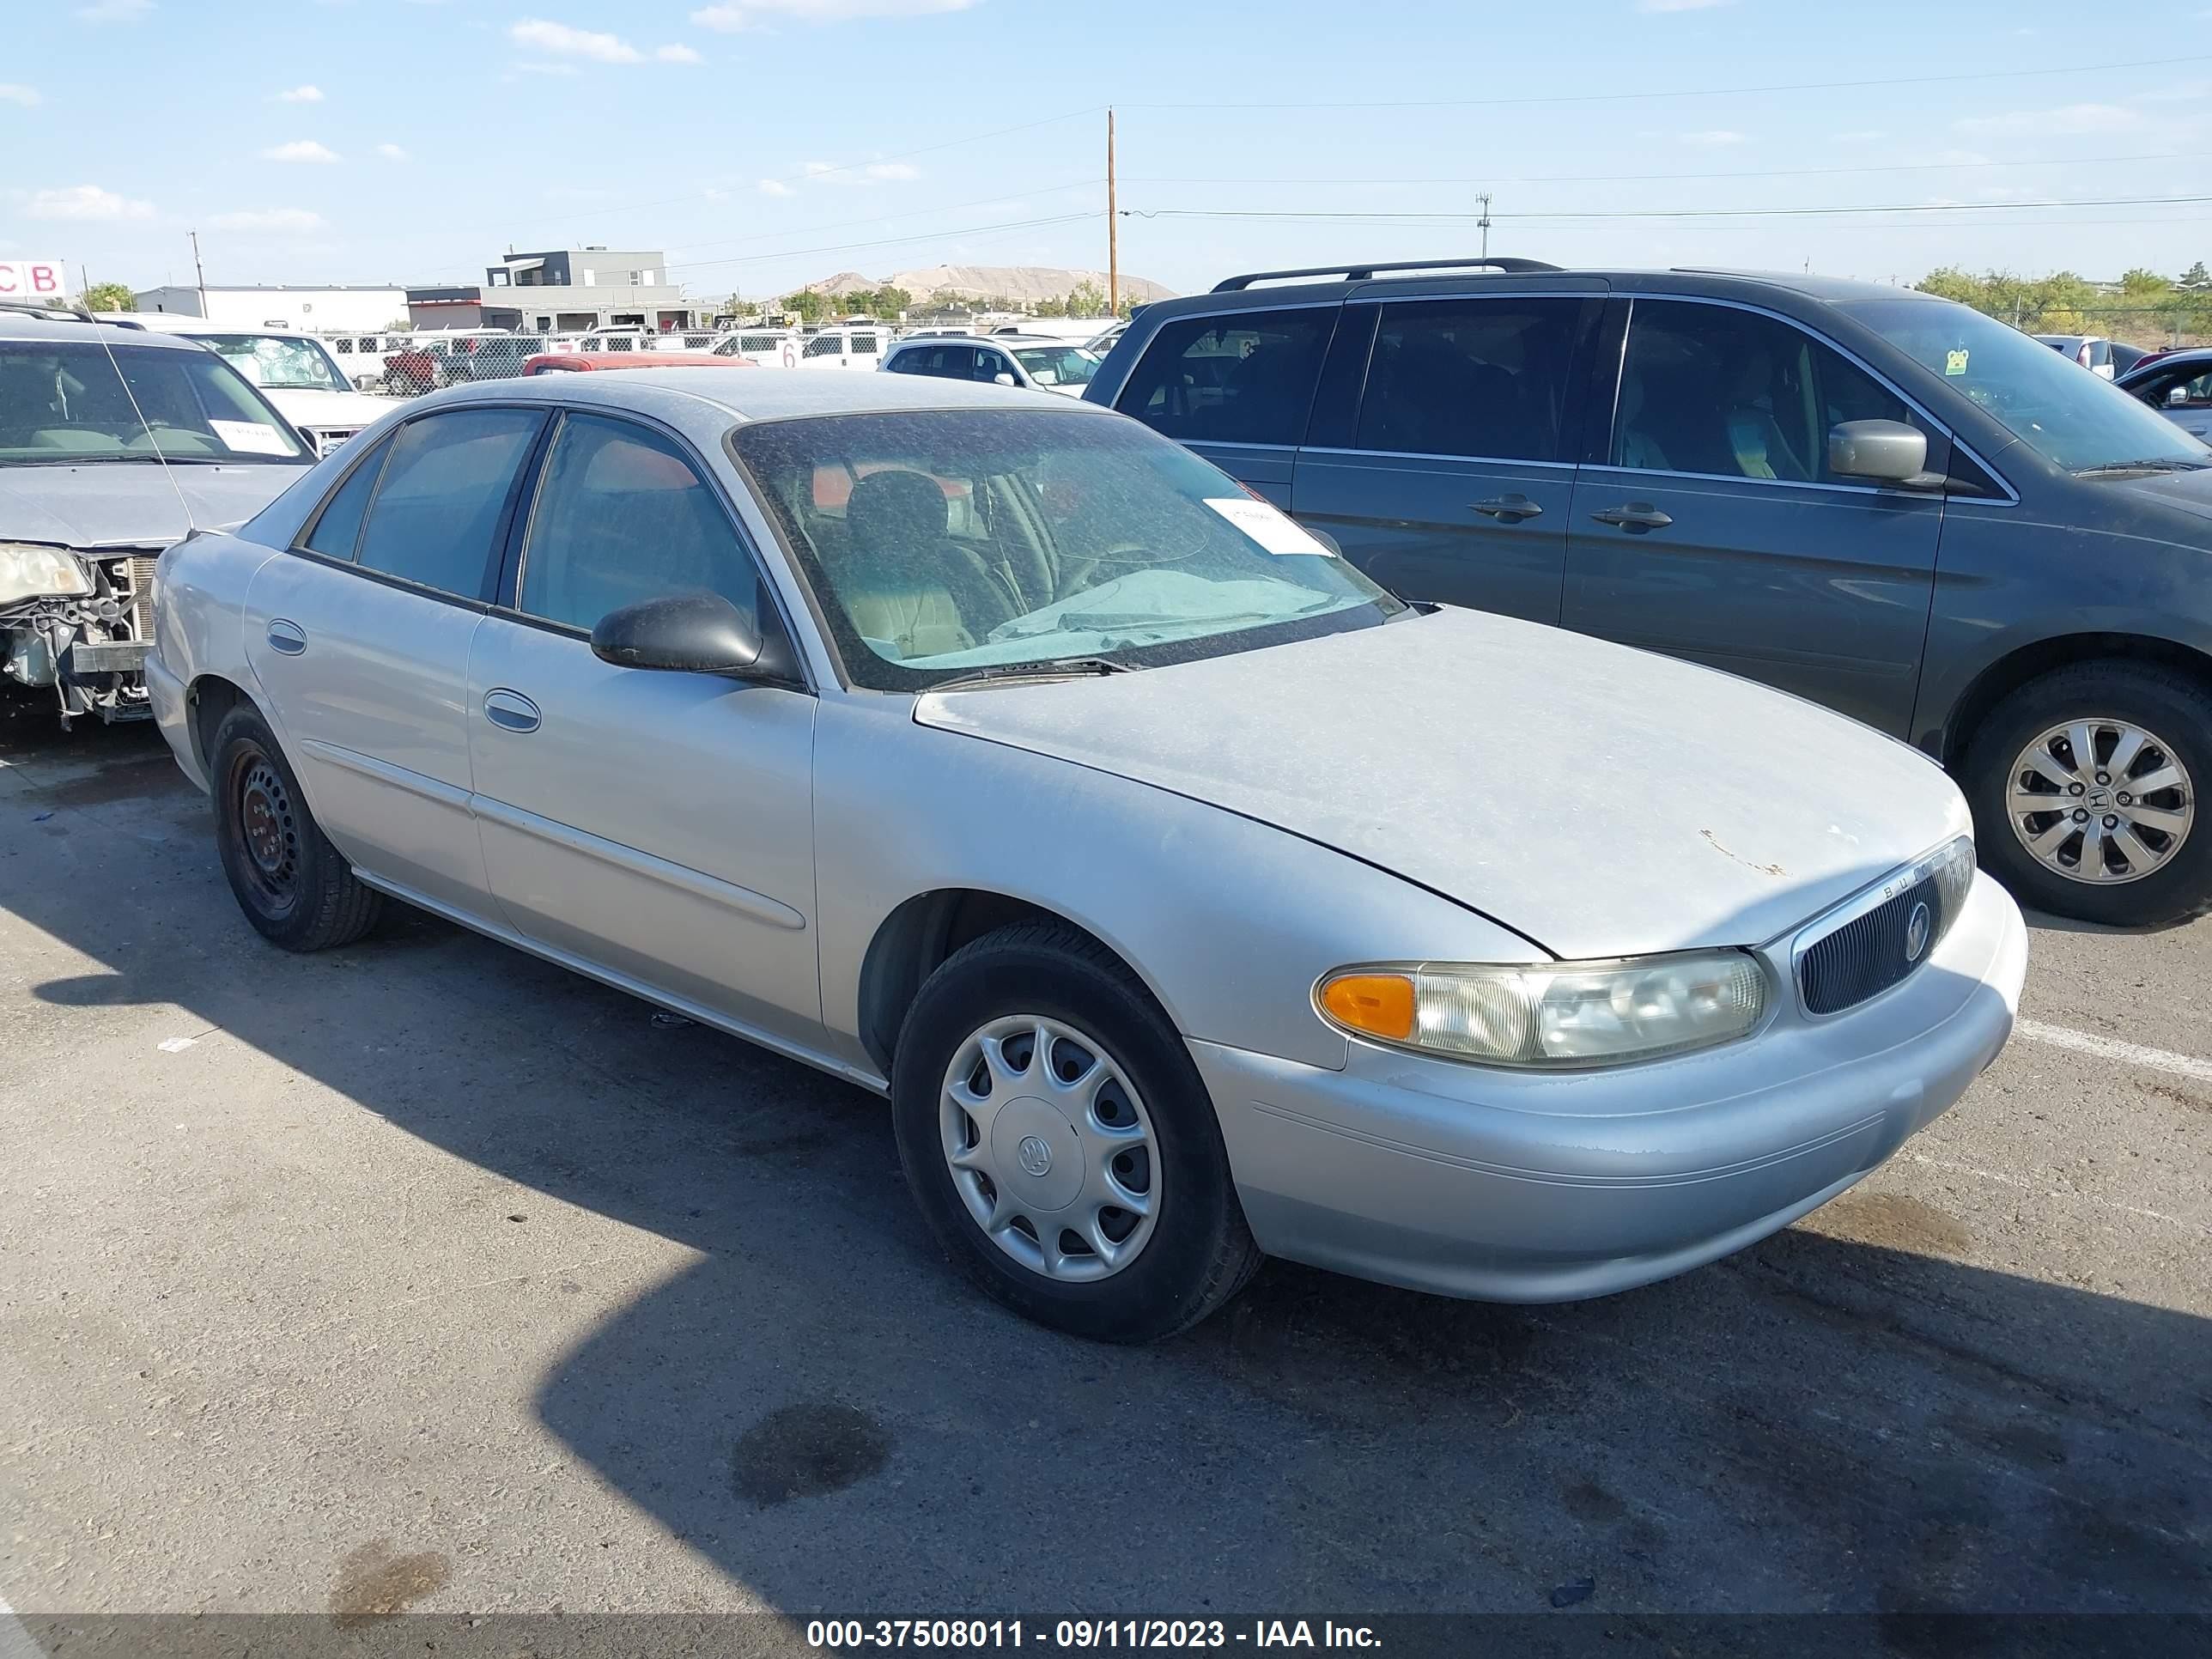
<point>131,504</point>
<point>1599,801</point>
<point>323,409</point>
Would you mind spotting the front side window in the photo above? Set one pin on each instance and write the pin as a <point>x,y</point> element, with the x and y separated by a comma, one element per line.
<point>440,508</point>
<point>941,542</point>
<point>1728,394</point>
<point>280,362</point>
<point>77,402</point>
<point>1246,379</point>
<point>1482,377</point>
<point>2076,421</point>
<point>1058,365</point>
<point>622,516</point>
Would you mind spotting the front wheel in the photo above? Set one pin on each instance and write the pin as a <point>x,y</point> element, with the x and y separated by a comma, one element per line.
<point>1060,1143</point>
<point>296,888</point>
<point>2084,785</point>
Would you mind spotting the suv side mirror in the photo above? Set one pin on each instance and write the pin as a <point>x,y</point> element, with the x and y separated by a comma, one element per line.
<point>1881,451</point>
<point>1003,379</point>
<point>694,633</point>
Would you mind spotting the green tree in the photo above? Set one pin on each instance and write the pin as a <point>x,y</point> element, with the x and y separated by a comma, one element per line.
<point>2197,276</point>
<point>891,301</point>
<point>1086,299</point>
<point>110,296</point>
<point>860,302</point>
<point>1049,308</point>
<point>806,305</point>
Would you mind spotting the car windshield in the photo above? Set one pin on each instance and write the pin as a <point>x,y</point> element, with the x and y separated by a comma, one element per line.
<point>2070,416</point>
<point>63,401</point>
<point>278,362</point>
<point>943,543</point>
<point>1058,365</point>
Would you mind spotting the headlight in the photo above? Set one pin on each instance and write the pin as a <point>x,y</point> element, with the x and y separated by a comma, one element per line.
<point>30,572</point>
<point>1551,1014</point>
<point>1953,872</point>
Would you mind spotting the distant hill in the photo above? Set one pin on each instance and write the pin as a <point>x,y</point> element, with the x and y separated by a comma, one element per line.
<point>1024,285</point>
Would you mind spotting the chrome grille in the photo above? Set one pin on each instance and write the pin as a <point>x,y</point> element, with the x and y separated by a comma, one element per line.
<point>1867,954</point>
<point>142,598</point>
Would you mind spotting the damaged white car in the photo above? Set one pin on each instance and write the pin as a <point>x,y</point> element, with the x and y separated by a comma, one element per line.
<point>114,443</point>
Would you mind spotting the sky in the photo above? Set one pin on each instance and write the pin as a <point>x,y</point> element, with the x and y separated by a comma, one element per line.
<point>764,143</point>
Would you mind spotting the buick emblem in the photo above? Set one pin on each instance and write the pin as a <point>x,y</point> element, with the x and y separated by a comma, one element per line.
<point>1035,1155</point>
<point>1917,927</point>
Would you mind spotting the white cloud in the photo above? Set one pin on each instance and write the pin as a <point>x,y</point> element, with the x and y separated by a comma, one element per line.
<point>11,93</point>
<point>1681,5</point>
<point>84,202</point>
<point>301,149</point>
<point>775,187</point>
<point>391,152</point>
<point>2070,120</point>
<point>892,170</point>
<point>306,95</point>
<point>593,46</point>
<point>1712,138</point>
<point>548,68</point>
<point>677,54</point>
<point>754,14</point>
<point>115,11</point>
<point>297,221</point>
<point>831,172</point>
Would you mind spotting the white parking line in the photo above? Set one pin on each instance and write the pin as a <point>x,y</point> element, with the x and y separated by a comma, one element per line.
<point>16,1642</point>
<point>2104,1047</point>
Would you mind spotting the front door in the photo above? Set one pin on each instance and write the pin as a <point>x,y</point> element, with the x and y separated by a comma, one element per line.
<point>1714,529</point>
<point>1457,478</point>
<point>361,636</point>
<point>658,825</point>
<point>1237,388</point>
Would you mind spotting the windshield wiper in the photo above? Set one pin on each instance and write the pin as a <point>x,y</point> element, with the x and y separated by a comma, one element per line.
<point>1067,668</point>
<point>2164,464</point>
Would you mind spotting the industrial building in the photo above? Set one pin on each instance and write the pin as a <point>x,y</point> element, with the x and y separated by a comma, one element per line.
<point>344,307</point>
<point>561,291</point>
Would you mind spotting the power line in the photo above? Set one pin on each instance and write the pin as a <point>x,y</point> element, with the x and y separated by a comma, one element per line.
<point>886,241</point>
<point>1660,178</point>
<point>1383,216</point>
<point>1615,96</point>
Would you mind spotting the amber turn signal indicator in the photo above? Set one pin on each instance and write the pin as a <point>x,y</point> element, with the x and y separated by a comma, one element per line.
<point>1381,1005</point>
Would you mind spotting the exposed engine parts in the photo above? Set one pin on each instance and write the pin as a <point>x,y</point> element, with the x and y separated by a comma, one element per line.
<point>90,647</point>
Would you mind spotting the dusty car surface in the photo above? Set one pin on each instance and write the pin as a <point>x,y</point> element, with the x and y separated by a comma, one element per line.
<point>113,444</point>
<point>1190,897</point>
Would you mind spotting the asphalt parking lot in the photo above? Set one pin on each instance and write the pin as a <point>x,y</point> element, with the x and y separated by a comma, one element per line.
<point>424,1276</point>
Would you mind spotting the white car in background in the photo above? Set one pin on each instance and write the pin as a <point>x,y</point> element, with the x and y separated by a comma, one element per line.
<point>1031,362</point>
<point>309,386</point>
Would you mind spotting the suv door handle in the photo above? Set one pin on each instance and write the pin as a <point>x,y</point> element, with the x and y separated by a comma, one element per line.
<point>1636,518</point>
<point>288,637</point>
<point>511,711</point>
<point>1510,508</point>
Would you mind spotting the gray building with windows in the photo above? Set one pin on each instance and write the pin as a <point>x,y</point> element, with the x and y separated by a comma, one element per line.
<point>561,291</point>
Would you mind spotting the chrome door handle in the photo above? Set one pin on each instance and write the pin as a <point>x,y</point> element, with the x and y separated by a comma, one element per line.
<point>1511,509</point>
<point>288,637</point>
<point>511,711</point>
<point>1635,517</point>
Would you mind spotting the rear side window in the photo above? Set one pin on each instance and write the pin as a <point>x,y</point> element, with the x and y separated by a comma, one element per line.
<point>863,345</point>
<point>339,525</point>
<point>444,497</point>
<point>1727,393</point>
<point>1246,379</point>
<point>1484,378</point>
<point>823,345</point>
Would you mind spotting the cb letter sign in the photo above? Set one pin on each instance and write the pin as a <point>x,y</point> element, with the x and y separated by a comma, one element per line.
<point>32,279</point>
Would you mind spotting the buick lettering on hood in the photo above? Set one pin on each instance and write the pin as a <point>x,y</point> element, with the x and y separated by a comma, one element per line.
<point>1190,898</point>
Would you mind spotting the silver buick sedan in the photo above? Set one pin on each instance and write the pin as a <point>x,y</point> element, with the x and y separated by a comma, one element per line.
<point>1191,898</point>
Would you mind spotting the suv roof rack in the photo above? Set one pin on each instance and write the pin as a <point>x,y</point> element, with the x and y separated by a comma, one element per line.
<point>1362,273</point>
<point>49,311</point>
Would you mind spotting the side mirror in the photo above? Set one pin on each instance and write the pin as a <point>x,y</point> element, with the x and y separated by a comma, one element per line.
<point>696,633</point>
<point>1881,451</point>
<point>2179,395</point>
<point>1003,379</point>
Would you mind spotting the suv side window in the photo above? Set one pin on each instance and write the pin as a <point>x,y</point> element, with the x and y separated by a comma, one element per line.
<point>1478,378</point>
<point>437,514</point>
<point>1728,393</point>
<point>622,515</point>
<point>1246,378</point>
<point>989,365</point>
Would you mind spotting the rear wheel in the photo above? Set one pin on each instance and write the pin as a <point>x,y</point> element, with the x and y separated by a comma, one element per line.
<point>2084,785</point>
<point>296,888</point>
<point>1060,1143</point>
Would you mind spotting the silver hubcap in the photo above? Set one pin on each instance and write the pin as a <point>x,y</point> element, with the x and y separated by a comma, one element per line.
<point>2100,800</point>
<point>1050,1148</point>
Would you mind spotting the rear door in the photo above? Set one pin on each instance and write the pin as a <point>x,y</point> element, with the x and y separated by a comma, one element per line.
<point>1451,474</point>
<point>1236,388</point>
<point>1708,526</point>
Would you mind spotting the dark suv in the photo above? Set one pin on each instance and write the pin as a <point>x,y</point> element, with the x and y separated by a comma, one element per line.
<point>1884,501</point>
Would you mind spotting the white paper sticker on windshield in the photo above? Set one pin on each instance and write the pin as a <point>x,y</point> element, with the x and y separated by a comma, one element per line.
<point>250,437</point>
<point>1274,529</point>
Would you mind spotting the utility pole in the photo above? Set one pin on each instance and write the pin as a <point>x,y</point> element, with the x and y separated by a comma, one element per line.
<point>199,271</point>
<point>1113,229</point>
<point>1484,222</point>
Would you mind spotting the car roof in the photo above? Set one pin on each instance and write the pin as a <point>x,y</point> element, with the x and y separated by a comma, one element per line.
<point>14,325</point>
<point>2182,358</point>
<point>1469,276</point>
<point>756,394</point>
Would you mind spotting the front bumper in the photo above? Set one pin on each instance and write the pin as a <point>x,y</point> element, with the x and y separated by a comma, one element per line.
<point>173,714</point>
<point>1517,1186</point>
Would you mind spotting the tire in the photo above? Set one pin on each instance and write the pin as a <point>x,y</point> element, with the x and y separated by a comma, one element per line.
<point>1195,1251</point>
<point>2176,712</point>
<point>297,889</point>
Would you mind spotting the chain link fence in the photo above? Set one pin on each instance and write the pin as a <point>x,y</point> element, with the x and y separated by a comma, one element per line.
<point>405,365</point>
